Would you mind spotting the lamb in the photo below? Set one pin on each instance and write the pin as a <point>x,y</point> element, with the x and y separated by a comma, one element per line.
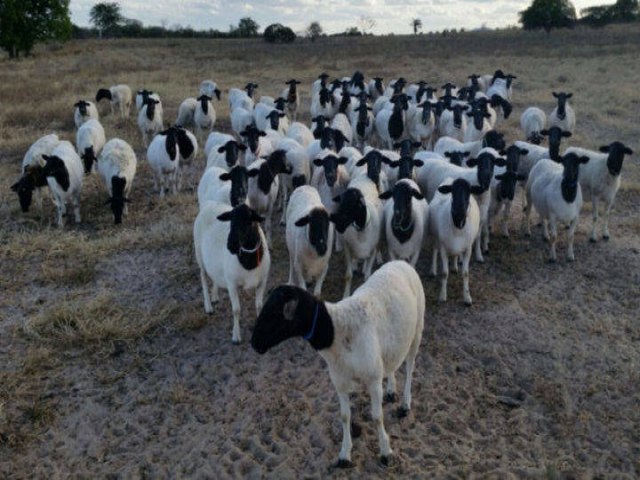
<point>454,224</point>
<point>405,220</point>
<point>117,166</point>
<point>293,98</point>
<point>142,95</point>
<point>219,185</point>
<point>90,139</point>
<point>120,98</point>
<point>554,190</point>
<point>600,179</point>
<point>563,115</point>
<point>532,121</point>
<point>492,139</point>
<point>204,116</point>
<point>309,236</point>
<point>64,171</point>
<point>149,120</point>
<point>186,112</point>
<point>391,124</point>
<point>363,339</point>
<point>358,207</point>
<point>84,111</point>
<point>209,88</point>
<point>33,178</point>
<point>232,251</point>
<point>163,156</point>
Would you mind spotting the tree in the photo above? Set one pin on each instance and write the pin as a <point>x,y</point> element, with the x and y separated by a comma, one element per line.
<point>548,14</point>
<point>314,30</point>
<point>23,23</point>
<point>106,17</point>
<point>366,24</point>
<point>416,23</point>
<point>620,12</point>
<point>247,27</point>
<point>277,32</point>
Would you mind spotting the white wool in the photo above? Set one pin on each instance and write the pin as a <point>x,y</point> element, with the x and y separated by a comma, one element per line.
<point>186,112</point>
<point>241,118</point>
<point>300,133</point>
<point>67,153</point>
<point>204,121</point>
<point>212,189</point>
<point>92,112</point>
<point>90,134</point>
<point>532,121</point>
<point>149,127</point>
<point>166,169</point>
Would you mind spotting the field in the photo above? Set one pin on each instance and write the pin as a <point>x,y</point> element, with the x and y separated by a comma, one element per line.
<point>110,368</point>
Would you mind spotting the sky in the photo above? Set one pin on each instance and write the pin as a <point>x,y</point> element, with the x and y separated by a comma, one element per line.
<point>389,16</point>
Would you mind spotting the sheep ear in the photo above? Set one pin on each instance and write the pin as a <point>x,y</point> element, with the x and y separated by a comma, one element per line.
<point>253,172</point>
<point>569,95</point>
<point>604,149</point>
<point>242,147</point>
<point>524,151</point>
<point>15,186</point>
<point>628,151</point>
<point>226,216</point>
<point>222,148</point>
<point>447,154</point>
<point>566,134</point>
<point>418,163</point>
<point>255,217</point>
<point>361,162</point>
<point>416,144</point>
<point>445,189</point>
<point>336,199</point>
<point>554,94</point>
<point>472,162</point>
<point>466,154</point>
<point>584,159</point>
<point>476,189</point>
<point>388,161</point>
<point>343,160</point>
<point>281,115</point>
<point>500,177</point>
<point>318,162</point>
<point>469,114</point>
<point>386,195</point>
<point>499,161</point>
<point>244,133</point>
<point>301,222</point>
<point>225,177</point>
<point>544,132</point>
<point>417,194</point>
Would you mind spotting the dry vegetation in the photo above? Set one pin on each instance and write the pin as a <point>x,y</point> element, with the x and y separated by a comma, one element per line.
<point>110,368</point>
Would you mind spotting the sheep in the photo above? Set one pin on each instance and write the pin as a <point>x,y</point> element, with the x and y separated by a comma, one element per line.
<point>480,124</point>
<point>223,186</point>
<point>163,156</point>
<point>532,121</point>
<point>358,207</point>
<point>232,251</point>
<point>242,98</point>
<point>340,122</point>
<point>226,155</point>
<point>363,339</point>
<point>501,85</point>
<point>396,87</point>
<point>293,98</point>
<point>117,166</point>
<point>405,220</point>
<point>563,115</point>
<point>454,224</point>
<point>600,179</point>
<point>309,235</point>
<point>375,88</point>
<point>209,88</point>
<point>330,139</point>
<point>214,140</point>
<point>362,121</point>
<point>492,139</point>
<point>258,145</point>
<point>120,98</point>
<point>298,160</point>
<point>186,112</point>
<point>90,140</point>
<point>187,145</point>
<point>264,185</point>
<point>141,98</point>
<point>421,124</point>
<point>149,120</point>
<point>33,178</point>
<point>323,103</point>
<point>204,116</point>
<point>241,118</point>
<point>391,124</point>
<point>554,190</point>
<point>64,171</point>
<point>319,83</point>
<point>300,133</point>
<point>84,111</point>
<point>266,117</point>
<point>452,122</point>
<point>503,187</point>
<point>370,165</point>
<point>329,177</point>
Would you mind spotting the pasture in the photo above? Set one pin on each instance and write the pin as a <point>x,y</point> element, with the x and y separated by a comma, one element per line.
<point>110,368</point>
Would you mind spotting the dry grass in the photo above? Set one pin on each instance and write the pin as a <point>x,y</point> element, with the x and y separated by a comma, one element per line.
<point>96,317</point>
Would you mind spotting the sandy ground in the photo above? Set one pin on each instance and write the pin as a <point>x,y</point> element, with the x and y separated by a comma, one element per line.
<point>539,379</point>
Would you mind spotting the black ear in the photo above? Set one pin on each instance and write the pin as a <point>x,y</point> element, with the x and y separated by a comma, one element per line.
<point>343,160</point>
<point>333,218</point>
<point>544,132</point>
<point>244,133</point>
<point>255,217</point>
<point>472,162</point>
<point>569,95</point>
<point>500,177</point>
<point>447,154</point>
<point>361,162</point>
<point>499,161</point>
<point>46,158</point>
<point>469,114</point>
<point>524,151</point>
<point>628,151</point>
<point>262,134</point>
<point>417,194</point>
<point>242,147</point>
<point>253,172</point>
<point>318,162</point>
<point>222,148</point>
<point>476,189</point>
<point>445,189</point>
<point>418,163</point>
<point>554,94</point>
<point>385,195</point>
<point>15,186</point>
<point>466,154</point>
<point>584,159</point>
<point>224,177</point>
<point>226,216</point>
<point>336,199</point>
<point>301,222</point>
<point>604,149</point>
<point>566,134</point>
<point>281,115</point>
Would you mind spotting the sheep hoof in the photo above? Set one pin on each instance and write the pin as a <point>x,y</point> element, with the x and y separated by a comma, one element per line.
<point>592,240</point>
<point>387,460</point>
<point>571,259</point>
<point>356,430</point>
<point>390,397</point>
<point>402,412</point>
<point>342,463</point>
<point>235,342</point>
<point>606,238</point>
<point>527,234</point>
<point>467,303</point>
<point>551,261</point>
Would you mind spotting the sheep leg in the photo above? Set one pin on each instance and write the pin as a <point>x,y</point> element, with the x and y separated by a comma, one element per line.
<point>344,459</point>
<point>318,288</point>
<point>375,391</point>
<point>390,395</point>
<point>484,235</point>
<point>434,262</point>
<point>572,229</point>
<point>262,286</point>
<point>594,215</point>
<point>205,292</point>
<point>455,260</point>
<point>505,219</point>
<point>235,308</point>
<point>291,266</point>
<point>339,246</point>
<point>348,274</point>
<point>267,224</point>
<point>62,210</point>
<point>478,247</point>
<point>552,239</point>
<point>607,211</point>
<point>545,229</point>
<point>466,294</point>
<point>75,200</point>
<point>368,265</point>
<point>527,213</point>
<point>410,363</point>
<point>414,258</point>
<point>444,276</point>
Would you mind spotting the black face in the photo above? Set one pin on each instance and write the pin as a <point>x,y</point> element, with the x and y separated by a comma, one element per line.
<point>274,119</point>
<point>510,79</point>
<point>298,181</point>
<point>344,103</point>
<point>495,140</point>
<point>378,85</point>
<point>497,74</point>
<point>277,162</point>
<point>327,139</point>
<point>330,164</point>
<point>457,114</point>
<point>513,157</point>
<point>280,103</point>
<point>325,97</point>
<point>426,112</point>
<point>232,151</point>
<point>88,157</point>
<point>406,147</point>
<point>252,134</point>
<point>318,222</point>
<point>555,135</point>
<point>571,163</point>
<point>151,107</point>
<point>204,103</point>
<point>351,209</point>
<point>184,143</point>
<point>239,177</point>
<point>250,88</point>
<point>478,117</point>
<point>460,191</point>
<point>485,163</point>
<point>373,160</point>
<point>616,151</point>
<point>406,165</point>
<point>339,139</point>
<point>456,157</point>
<point>103,93</point>
<point>399,86</point>
<point>403,195</point>
<point>448,88</point>
<point>144,94</point>
<point>56,168</point>
<point>244,227</point>
<point>321,123</point>
<point>474,80</point>
<point>507,185</point>
<point>24,188</point>
<point>562,98</point>
<point>82,107</point>
<point>117,198</point>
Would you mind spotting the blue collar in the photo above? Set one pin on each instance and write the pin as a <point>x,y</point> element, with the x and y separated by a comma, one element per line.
<point>315,321</point>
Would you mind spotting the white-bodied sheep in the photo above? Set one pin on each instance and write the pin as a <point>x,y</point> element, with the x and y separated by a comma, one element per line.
<point>120,98</point>
<point>453,122</point>
<point>492,139</point>
<point>266,117</point>
<point>220,185</point>
<point>141,98</point>
<point>232,251</point>
<point>341,123</point>
<point>300,133</point>
<point>391,124</point>
<point>363,339</point>
<point>454,224</point>
<point>64,172</point>
<point>186,112</point>
<point>532,121</point>
<point>329,177</point>
<point>242,98</point>
<point>563,115</point>
<point>405,220</point>
<point>117,166</point>
<point>84,111</point>
<point>90,139</point>
<point>209,88</point>
<point>226,155</point>
<point>149,120</point>
<point>293,98</point>
<point>554,190</point>
<point>323,103</point>
<point>241,118</point>
<point>600,179</point>
<point>298,160</point>
<point>204,116</point>
<point>421,124</point>
<point>163,156</point>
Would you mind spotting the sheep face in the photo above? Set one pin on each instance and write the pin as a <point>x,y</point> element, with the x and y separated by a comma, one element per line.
<point>232,150</point>
<point>460,191</point>
<point>56,168</point>
<point>507,186</point>
<point>151,107</point>
<point>279,104</point>
<point>244,227</point>
<point>373,160</point>
<point>252,134</point>
<point>82,107</point>
<point>321,123</point>
<point>406,147</point>
<point>330,164</point>
<point>495,140</point>
<point>24,188</point>
<point>616,151</point>
<point>569,186</point>
<point>513,157</point>
<point>456,158</point>
<point>406,165</point>
<point>478,115</point>
<point>402,194</point>
<point>239,178</point>
<point>377,83</point>
<point>274,119</point>
<point>250,88</point>
<point>103,93</point>
<point>326,97</point>
<point>555,134</point>
<point>204,103</point>
<point>485,163</point>
<point>457,114</point>
<point>318,221</point>
<point>352,209</point>
<point>562,98</point>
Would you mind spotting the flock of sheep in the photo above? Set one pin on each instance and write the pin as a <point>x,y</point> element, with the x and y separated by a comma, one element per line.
<point>379,164</point>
